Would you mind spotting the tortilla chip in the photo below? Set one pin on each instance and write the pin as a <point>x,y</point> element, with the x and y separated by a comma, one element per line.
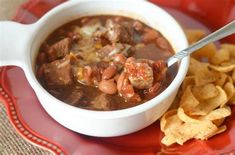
<point>184,117</point>
<point>205,129</point>
<point>220,78</point>
<point>221,56</point>
<point>218,122</point>
<point>229,89</point>
<point>221,99</point>
<point>205,92</point>
<point>195,65</point>
<point>218,113</point>
<point>194,35</point>
<point>204,76</point>
<point>202,102</point>
<point>189,80</point>
<point>168,139</point>
<point>176,101</point>
<point>165,117</point>
<point>186,131</point>
<point>220,130</point>
<point>229,79</point>
<point>232,100</point>
<point>210,104</point>
<point>233,76</point>
<point>207,51</point>
<point>224,69</point>
<point>230,48</point>
<point>188,100</point>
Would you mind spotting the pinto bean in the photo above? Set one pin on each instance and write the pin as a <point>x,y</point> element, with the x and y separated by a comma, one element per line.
<point>159,65</point>
<point>118,19</point>
<point>154,88</point>
<point>40,71</point>
<point>124,87</point>
<point>127,91</point>
<point>117,32</point>
<point>88,70</point>
<point>152,91</point>
<point>116,77</point>
<point>150,35</point>
<point>87,75</point>
<point>159,68</point>
<point>119,58</point>
<point>74,36</point>
<point>130,59</point>
<point>41,59</point>
<point>109,72</point>
<point>138,26</point>
<point>108,86</point>
<point>162,43</point>
<point>84,20</point>
<point>120,81</point>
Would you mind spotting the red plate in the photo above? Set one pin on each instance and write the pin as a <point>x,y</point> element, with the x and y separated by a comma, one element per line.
<point>36,126</point>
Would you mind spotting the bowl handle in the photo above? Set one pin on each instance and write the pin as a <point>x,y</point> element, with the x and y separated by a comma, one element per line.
<point>14,40</point>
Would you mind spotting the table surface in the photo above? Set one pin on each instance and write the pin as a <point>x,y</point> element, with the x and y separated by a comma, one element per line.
<point>10,141</point>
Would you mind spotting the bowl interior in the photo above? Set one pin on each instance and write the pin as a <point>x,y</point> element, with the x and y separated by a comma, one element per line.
<point>149,14</point>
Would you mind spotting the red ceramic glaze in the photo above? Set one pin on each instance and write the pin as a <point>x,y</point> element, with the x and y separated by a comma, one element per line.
<point>213,13</point>
<point>36,126</point>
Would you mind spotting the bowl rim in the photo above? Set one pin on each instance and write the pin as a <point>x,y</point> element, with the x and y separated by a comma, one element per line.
<point>182,70</point>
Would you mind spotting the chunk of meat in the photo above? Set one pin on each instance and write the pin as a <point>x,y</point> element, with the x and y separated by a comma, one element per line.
<point>126,90</point>
<point>75,37</point>
<point>152,90</point>
<point>59,49</point>
<point>74,97</point>
<point>124,49</point>
<point>138,26</point>
<point>140,74</point>
<point>90,22</point>
<point>150,35</point>
<point>162,43</point>
<point>109,72</point>
<point>111,50</point>
<point>101,102</point>
<point>96,75</point>
<point>85,48</point>
<point>108,86</point>
<point>40,71</point>
<point>129,27</point>
<point>119,58</point>
<point>159,65</point>
<point>84,20</point>
<point>41,58</point>
<point>104,52</point>
<point>117,33</point>
<point>89,74</point>
<point>85,44</point>
<point>100,32</point>
<point>58,73</point>
<point>90,27</point>
<point>159,70</point>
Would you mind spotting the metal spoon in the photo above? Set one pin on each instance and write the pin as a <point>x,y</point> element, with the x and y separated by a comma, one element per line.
<point>219,34</point>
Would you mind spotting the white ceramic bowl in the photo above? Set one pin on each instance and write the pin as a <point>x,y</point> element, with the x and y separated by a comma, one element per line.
<point>19,46</point>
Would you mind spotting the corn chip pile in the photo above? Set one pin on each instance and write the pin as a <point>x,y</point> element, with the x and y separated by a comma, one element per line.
<point>203,101</point>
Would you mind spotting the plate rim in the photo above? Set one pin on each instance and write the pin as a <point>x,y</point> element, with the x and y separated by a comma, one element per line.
<point>20,125</point>
<point>10,104</point>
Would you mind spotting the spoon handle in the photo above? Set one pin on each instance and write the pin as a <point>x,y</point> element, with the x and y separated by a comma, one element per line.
<point>219,34</point>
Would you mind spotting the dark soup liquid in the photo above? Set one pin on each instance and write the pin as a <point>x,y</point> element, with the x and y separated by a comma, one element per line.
<point>105,63</point>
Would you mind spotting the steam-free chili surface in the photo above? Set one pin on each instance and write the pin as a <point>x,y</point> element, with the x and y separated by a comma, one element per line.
<point>104,63</point>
